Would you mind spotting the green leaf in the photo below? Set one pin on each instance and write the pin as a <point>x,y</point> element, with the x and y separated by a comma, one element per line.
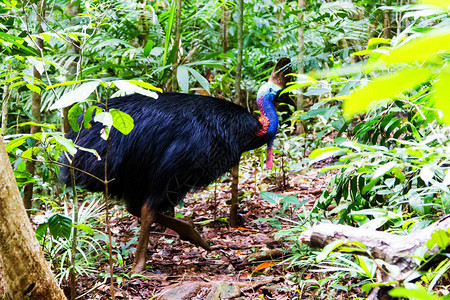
<point>148,47</point>
<point>270,197</point>
<point>328,249</point>
<point>384,87</point>
<point>60,226</point>
<point>441,92</point>
<point>200,79</point>
<point>169,30</point>
<point>31,152</point>
<point>79,94</point>
<point>105,118</point>
<point>92,110</point>
<point>422,48</point>
<point>122,121</point>
<point>41,230</point>
<point>444,4</point>
<point>439,237</point>
<point>145,85</point>
<point>73,115</point>
<point>131,86</point>
<point>66,143</point>
<point>15,143</point>
<point>84,227</point>
<point>34,88</point>
<point>412,294</point>
<point>183,78</point>
<point>383,169</point>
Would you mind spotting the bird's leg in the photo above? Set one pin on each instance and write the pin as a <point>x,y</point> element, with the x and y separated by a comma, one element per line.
<point>148,216</point>
<point>184,229</point>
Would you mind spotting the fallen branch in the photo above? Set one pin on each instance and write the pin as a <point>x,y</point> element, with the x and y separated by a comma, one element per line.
<point>393,249</point>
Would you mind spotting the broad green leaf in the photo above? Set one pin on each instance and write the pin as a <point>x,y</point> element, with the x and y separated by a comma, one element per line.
<point>64,83</point>
<point>130,87</point>
<point>10,146</point>
<point>200,79</point>
<point>84,227</point>
<point>183,78</point>
<point>60,226</point>
<point>328,249</point>
<point>79,94</point>
<point>296,85</point>
<point>383,169</point>
<point>105,118</point>
<point>34,88</point>
<point>88,115</point>
<point>423,48</point>
<point>169,30</point>
<point>270,197</point>
<point>444,4</point>
<point>418,294</point>
<point>66,143</point>
<point>73,115</point>
<point>145,85</point>
<point>317,152</point>
<point>441,93</point>
<point>122,121</point>
<point>439,237</point>
<point>31,152</point>
<point>384,87</point>
<point>148,47</point>
<point>376,41</point>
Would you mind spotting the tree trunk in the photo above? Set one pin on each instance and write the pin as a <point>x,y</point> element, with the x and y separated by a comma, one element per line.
<point>73,9</point>
<point>176,45</point>
<point>237,100</point>
<point>5,105</point>
<point>387,22</point>
<point>300,128</point>
<point>35,106</point>
<point>225,13</point>
<point>24,272</point>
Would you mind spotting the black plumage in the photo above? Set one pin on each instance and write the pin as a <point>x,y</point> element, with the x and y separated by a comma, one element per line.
<point>180,142</point>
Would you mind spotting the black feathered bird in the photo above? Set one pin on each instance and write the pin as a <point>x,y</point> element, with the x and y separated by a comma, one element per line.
<point>180,142</point>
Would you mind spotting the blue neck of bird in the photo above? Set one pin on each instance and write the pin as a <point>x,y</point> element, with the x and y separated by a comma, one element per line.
<point>266,96</point>
<point>268,109</point>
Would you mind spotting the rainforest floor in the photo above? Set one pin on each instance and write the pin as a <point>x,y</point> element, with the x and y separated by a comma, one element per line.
<point>247,258</point>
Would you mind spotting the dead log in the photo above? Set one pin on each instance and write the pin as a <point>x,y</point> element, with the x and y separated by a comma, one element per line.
<point>392,249</point>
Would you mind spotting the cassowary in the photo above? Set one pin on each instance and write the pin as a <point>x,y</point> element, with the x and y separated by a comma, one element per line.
<point>180,143</point>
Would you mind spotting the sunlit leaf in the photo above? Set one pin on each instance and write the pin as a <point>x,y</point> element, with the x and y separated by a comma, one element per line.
<point>439,237</point>
<point>183,78</point>
<point>444,4</point>
<point>442,92</point>
<point>129,87</point>
<point>79,94</point>
<point>122,121</point>
<point>145,85</point>
<point>66,143</point>
<point>200,79</point>
<point>384,87</point>
<point>418,294</point>
<point>383,169</point>
<point>422,48</point>
<point>73,115</point>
